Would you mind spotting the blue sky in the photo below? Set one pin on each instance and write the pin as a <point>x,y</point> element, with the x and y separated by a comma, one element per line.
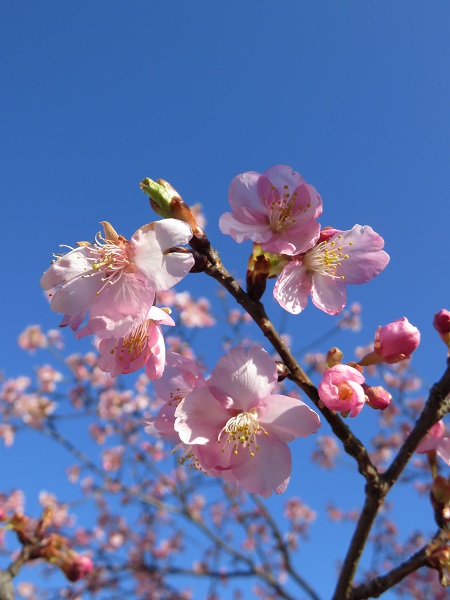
<point>354,95</point>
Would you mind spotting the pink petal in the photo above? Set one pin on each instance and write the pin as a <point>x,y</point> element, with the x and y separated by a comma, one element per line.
<point>366,259</point>
<point>244,192</point>
<point>161,271</point>
<point>241,378</point>
<point>294,240</point>
<point>293,287</point>
<point>242,225</point>
<point>287,418</point>
<point>328,294</point>
<point>281,175</point>
<point>180,376</point>
<point>200,417</point>
<point>269,470</point>
<point>67,267</point>
<point>443,450</point>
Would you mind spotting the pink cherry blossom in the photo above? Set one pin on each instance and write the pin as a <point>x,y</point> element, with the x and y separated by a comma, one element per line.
<point>396,341</point>
<point>353,256</point>
<point>239,427</point>
<point>115,280</point>
<point>437,440</point>
<point>179,377</point>
<point>277,209</point>
<point>341,389</point>
<point>142,346</point>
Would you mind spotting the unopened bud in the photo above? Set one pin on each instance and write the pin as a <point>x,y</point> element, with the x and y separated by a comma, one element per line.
<point>282,370</point>
<point>393,342</point>
<point>377,397</point>
<point>334,357</point>
<point>442,325</point>
<point>160,194</point>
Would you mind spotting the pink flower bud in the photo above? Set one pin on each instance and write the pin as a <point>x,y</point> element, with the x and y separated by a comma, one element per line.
<point>78,568</point>
<point>442,321</point>
<point>396,341</point>
<point>442,325</point>
<point>341,390</point>
<point>377,397</point>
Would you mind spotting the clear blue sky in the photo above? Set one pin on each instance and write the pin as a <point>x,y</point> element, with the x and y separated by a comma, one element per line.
<point>354,95</point>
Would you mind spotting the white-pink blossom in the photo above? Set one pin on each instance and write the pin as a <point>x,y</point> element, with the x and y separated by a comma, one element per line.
<point>353,256</point>
<point>277,209</point>
<point>239,427</point>
<point>115,280</point>
<point>142,346</point>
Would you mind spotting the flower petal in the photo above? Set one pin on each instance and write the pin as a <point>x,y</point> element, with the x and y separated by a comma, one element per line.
<point>293,287</point>
<point>241,378</point>
<point>328,294</point>
<point>161,271</point>
<point>287,418</point>
<point>200,417</point>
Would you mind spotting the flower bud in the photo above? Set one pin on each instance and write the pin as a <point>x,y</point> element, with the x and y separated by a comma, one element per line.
<point>393,342</point>
<point>334,357</point>
<point>442,325</point>
<point>377,397</point>
<point>78,567</point>
<point>160,194</point>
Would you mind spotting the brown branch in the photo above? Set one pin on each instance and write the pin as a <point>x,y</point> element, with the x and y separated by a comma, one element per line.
<point>6,586</point>
<point>352,445</point>
<point>437,405</point>
<point>378,585</point>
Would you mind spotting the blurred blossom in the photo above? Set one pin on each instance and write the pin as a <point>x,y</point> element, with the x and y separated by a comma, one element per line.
<point>112,458</point>
<point>194,312</point>
<point>327,451</point>
<point>32,338</point>
<point>48,377</point>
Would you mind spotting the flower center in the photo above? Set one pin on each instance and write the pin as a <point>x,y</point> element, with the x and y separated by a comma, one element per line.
<point>345,391</point>
<point>284,210</point>
<point>242,430</point>
<point>110,259</point>
<point>326,258</point>
<point>134,342</point>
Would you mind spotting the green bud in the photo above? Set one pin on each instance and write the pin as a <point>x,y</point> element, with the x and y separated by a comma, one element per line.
<point>160,196</point>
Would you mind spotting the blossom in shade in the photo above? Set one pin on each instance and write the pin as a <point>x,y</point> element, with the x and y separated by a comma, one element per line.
<point>115,280</point>
<point>142,346</point>
<point>341,389</point>
<point>277,209</point>
<point>239,427</point>
<point>339,258</point>
<point>442,325</point>
<point>436,440</point>
<point>442,321</point>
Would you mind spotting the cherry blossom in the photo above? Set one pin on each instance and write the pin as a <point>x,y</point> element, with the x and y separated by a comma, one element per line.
<point>240,427</point>
<point>142,346</point>
<point>276,209</point>
<point>341,389</point>
<point>115,280</point>
<point>339,258</point>
<point>437,440</point>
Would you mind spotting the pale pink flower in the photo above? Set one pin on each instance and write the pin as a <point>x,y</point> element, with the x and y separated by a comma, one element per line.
<point>115,280</point>
<point>194,312</point>
<point>32,338</point>
<point>339,258</point>
<point>239,427</point>
<point>341,389</point>
<point>179,377</point>
<point>112,458</point>
<point>437,440</point>
<point>277,209</point>
<point>142,346</point>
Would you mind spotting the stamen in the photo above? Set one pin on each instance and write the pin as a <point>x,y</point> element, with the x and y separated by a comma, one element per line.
<point>242,430</point>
